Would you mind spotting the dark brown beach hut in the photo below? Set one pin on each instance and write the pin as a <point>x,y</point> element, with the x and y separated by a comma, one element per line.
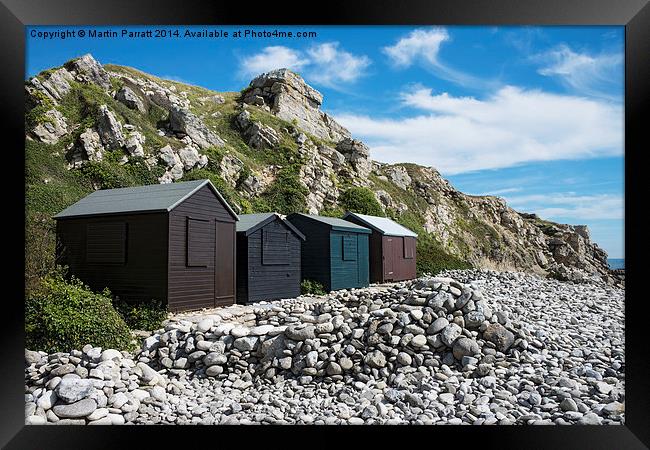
<point>170,242</point>
<point>268,258</point>
<point>392,248</point>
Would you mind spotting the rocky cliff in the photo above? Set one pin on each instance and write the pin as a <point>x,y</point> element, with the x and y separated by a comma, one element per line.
<point>268,147</point>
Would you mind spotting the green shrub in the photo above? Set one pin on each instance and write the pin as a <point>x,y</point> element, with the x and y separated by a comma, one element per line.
<point>286,195</point>
<point>361,200</point>
<point>432,258</point>
<point>312,287</point>
<point>332,212</point>
<point>142,315</point>
<point>65,315</point>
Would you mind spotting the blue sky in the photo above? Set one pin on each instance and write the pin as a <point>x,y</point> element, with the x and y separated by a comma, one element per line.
<point>532,114</point>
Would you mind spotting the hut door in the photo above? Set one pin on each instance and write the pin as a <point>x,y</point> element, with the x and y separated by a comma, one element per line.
<point>224,277</point>
<point>389,244</point>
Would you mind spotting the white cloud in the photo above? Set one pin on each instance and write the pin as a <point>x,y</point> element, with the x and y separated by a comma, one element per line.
<point>325,63</point>
<point>513,126</point>
<point>422,46</point>
<point>570,205</point>
<point>595,75</point>
<point>270,58</point>
<point>419,44</point>
<point>333,66</point>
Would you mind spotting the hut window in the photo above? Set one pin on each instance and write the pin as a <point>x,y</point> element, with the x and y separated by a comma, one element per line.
<point>199,244</point>
<point>106,243</point>
<point>349,248</point>
<point>275,247</point>
<point>409,248</point>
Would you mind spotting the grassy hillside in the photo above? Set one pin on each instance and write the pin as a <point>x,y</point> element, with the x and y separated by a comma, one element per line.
<point>51,186</point>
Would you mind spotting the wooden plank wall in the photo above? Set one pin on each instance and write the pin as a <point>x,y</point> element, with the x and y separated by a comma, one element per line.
<point>273,281</point>
<point>194,287</point>
<point>315,261</point>
<point>142,275</point>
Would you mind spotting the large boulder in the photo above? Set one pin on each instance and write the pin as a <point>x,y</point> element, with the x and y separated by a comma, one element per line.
<point>499,336</point>
<point>55,85</point>
<point>72,390</point>
<point>88,69</point>
<point>109,129</point>
<point>127,96</point>
<point>91,145</point>
<point>287,96</point>
<point>257,135</point>
<point>51,127</point>
<point>357,154</point>
<point>134,143</point>
<point>399,176</point>
<point>183,121</point>
<point>189,157</point>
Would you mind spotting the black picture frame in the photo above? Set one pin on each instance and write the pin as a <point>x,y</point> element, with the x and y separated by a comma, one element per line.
<point>633,14</point>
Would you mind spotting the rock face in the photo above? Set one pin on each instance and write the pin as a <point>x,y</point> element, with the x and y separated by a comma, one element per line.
<point>55,85</point>
<point>91,145</point>
<point>369,356</point>
<point>52,127</point>
<point>481,230</point>
<point>134,142</point>
<point>109,129</point>
<point>130,99</point>
<point>356,153</point>
<point>288,96</point>
<point>257,135</point>
<point>88,69</point>
<point>183,121</point>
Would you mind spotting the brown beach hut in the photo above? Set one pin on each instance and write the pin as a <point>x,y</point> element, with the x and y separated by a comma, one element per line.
<point>171,242</point>
<point>392,248</point>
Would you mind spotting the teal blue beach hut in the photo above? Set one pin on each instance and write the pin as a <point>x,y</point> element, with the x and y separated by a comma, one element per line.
<point>335,252</point>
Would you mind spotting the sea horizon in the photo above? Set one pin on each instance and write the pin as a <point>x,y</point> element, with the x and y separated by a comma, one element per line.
<point>616,263</point>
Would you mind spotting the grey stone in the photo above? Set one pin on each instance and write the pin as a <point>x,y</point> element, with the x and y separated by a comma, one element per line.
<point>72,390</point>
<point>499,336</point>
<point>464,346</point>
<point>437,325</point>
<point>450,333</point>
<point>79,409</point>
<point>127,96</point>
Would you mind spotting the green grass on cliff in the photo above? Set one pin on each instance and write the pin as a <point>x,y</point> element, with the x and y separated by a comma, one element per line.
<point>51,186</point>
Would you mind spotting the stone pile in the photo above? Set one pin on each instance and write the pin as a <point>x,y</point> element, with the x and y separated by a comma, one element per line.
<point>472,347</point>
<point>90,386</point>
<point>376,333</point>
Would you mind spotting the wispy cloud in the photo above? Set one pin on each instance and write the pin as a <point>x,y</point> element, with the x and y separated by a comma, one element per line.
<point>570,205</point>
<point>422,46</point>
<point>598,75</point>
<point>501,191</point>
<point>511,127</point>
<point>326,64</point>
<point>270,58</point>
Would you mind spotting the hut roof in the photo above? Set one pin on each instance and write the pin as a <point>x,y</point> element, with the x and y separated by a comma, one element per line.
<point>151,198</point>
<point>383,225</point>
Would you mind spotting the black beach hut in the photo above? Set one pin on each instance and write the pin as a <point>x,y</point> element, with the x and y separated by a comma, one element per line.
<point>335,252</point>
<point>392,248</point>
<point>169,242</point>
<point>268,258</point>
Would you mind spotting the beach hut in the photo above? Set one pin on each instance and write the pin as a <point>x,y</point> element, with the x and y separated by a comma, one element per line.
<point>169,242</point>
<point>392,248</point>
<point>335,252</point>
<point>268,258</point>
